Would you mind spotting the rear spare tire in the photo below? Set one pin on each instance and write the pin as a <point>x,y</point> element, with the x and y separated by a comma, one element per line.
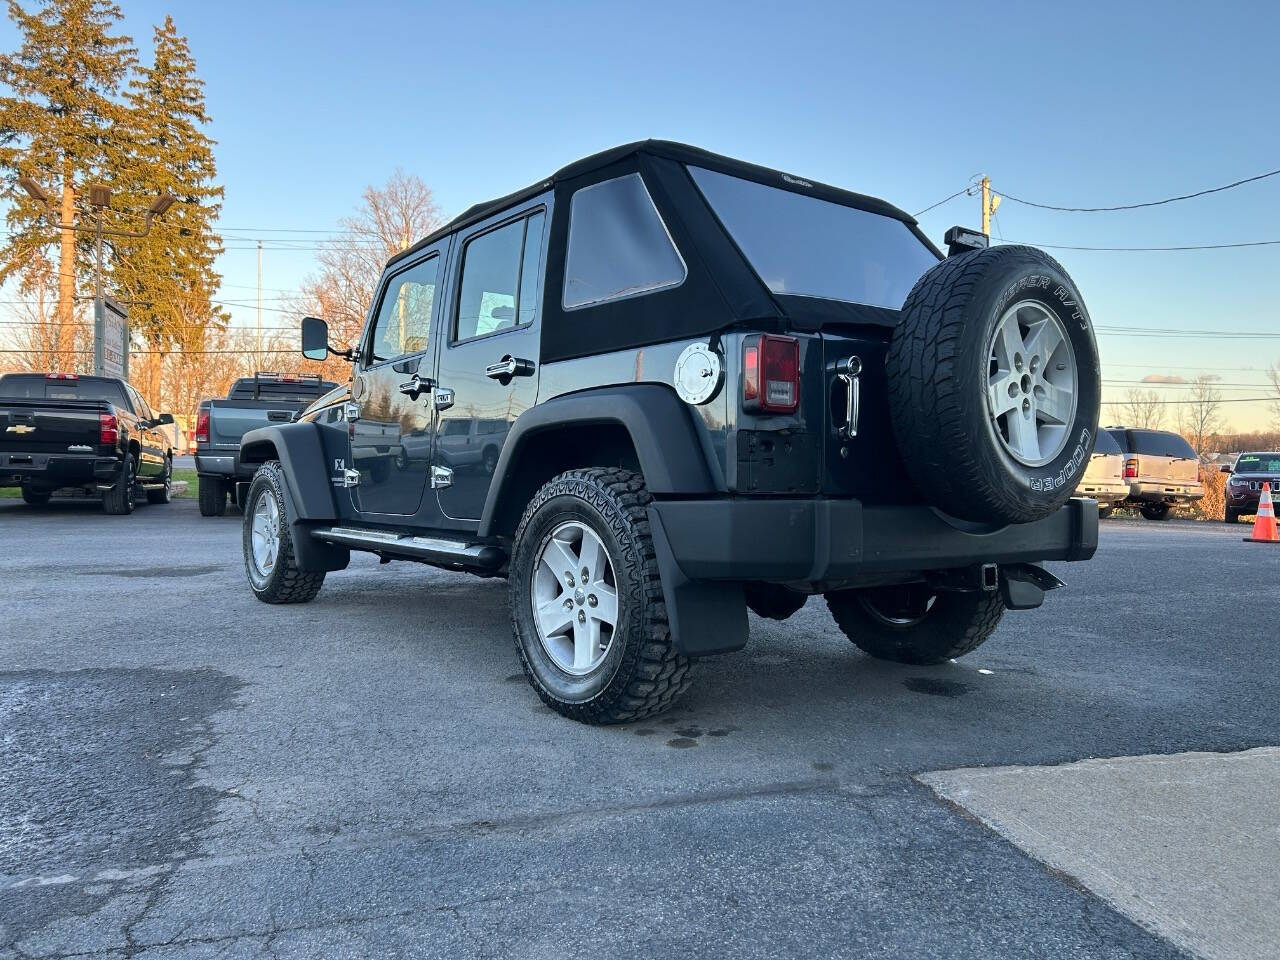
<point>994,385</point>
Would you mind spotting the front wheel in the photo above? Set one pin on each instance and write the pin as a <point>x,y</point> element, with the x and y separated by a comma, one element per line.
<point>773,601</point>
<point>1230,516</point>
<point>164,493</point>
<point>37,498</point>
<point>268,549</point>
<point>586,600</point>
<point>911,623</point>
<point>1156,511</point>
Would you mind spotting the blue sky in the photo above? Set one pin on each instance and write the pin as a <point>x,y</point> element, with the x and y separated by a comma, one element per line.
<point>1082,104</point>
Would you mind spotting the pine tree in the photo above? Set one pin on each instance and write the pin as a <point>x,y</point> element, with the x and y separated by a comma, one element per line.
<point>168,277</point>
<point>56,122</point>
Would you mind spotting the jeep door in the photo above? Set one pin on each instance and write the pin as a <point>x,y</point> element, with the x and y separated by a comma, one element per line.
<point>394,416</point>
<point>488,364</point>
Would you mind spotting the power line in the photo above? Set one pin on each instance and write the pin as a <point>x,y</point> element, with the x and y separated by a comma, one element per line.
<point>941,202</point>
<point>1137,206</point>
<point>1200,246</point>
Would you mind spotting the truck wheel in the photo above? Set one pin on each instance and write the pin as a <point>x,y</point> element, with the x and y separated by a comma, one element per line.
<point>994,385</point>
<point>586,600</point>
<point>119,500</point>
<point>910,623</point>
<point>37,498</point>
<point>1104,512</point>
<point>213,496</point>
<point>1156,511</point>
<point>773,601</point>
<point>268,548</point>
<point>165,493</point>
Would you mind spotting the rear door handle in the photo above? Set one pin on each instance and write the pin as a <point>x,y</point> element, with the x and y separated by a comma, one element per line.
<point>509,367</point>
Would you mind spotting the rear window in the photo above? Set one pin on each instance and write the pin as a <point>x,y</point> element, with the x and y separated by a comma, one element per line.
<point>807,247</point>
<point>42,388</point>
<point>1258,463</point>
<point>1156,443</point>
<point>298,391</point>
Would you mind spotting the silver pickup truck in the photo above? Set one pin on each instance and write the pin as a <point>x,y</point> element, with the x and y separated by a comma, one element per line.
<point>257,401</point>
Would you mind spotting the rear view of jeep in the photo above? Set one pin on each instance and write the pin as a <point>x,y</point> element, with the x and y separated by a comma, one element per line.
<point>715,387</point>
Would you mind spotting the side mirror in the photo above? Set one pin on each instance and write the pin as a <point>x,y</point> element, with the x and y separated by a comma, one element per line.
<point>1225,468</point>
<point>164,419</point>
<point>315,338</point>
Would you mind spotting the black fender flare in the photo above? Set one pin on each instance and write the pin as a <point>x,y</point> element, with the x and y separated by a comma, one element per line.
<point>671,443</point>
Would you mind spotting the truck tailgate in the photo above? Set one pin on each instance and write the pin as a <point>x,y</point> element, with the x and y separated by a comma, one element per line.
<point>49,426</point>
<point>229,420</point>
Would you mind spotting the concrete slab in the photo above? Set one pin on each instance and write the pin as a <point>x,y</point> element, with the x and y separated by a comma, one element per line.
<point>1187,845</point>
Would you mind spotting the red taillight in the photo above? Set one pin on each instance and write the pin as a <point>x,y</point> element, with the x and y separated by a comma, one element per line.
<point>770,374</point>
<point>108,429</point>
<point>202,427</point>
<point>62,376</point>
<point>1131,468</point>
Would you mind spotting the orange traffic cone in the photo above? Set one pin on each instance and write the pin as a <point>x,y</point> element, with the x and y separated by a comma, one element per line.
<point>1264,527</point>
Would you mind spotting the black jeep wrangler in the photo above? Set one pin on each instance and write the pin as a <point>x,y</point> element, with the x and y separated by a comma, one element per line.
<point>662,387</point>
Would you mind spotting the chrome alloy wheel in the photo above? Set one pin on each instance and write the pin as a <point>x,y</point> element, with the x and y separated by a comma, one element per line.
<point>574,596</point>
<point>265,534</point>
<point>1032,383</point>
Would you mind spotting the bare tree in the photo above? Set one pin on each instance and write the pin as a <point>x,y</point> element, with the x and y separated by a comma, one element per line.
<point>1142,408</point>
<point>41,336</point>
<point>390,219</point>
<point>1273,374</point>
<point>1200,416</point>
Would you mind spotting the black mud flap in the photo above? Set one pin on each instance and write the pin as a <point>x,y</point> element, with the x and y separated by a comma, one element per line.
<point>706,618</point>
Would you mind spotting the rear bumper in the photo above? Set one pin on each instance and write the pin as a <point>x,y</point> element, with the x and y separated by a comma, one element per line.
<point>223,464</point>
<point>1105,493</point>
<point>845,541</point>
<point>1165,492</point>
<point>54,470</point>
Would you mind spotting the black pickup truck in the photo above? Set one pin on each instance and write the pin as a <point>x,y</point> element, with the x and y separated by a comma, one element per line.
<point>251,402</point>
<point>96,433</point>
<point>714,387</point>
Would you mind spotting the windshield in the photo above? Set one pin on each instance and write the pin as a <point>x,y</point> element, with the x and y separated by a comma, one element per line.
<point>42,388</point>
<point>807,247</point>
<point>1258,463</point>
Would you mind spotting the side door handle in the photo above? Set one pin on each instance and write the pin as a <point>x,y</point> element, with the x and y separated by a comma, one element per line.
<point>415,386</point>
<point>509,367</point>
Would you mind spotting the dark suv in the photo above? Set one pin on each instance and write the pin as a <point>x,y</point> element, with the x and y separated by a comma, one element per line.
<point>1244,486</point>
<point>712,387</point>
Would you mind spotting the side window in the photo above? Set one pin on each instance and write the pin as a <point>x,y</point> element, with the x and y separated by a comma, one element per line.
<point>618,245</point>
<point>500,279</point>
<point>403,324</point>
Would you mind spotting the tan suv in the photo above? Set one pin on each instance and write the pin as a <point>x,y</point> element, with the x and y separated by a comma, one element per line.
<point>1103,479</point>
<point>1161,469</point>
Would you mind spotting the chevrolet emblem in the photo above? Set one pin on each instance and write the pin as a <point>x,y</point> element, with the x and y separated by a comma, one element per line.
<point>20,428</point>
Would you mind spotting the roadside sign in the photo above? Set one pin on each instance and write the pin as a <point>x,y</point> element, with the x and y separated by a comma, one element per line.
<point>110,339</point>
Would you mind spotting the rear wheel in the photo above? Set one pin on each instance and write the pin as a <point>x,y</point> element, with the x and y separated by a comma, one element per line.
<point>587,609</point>
<point>773,601</point>
<point>268,549</point>
<point>213,496</point>
<point>119,500</point>
<point>37,498</point>
<point>911,623</point>
<point>1155,511</point>
<point>1104,512</point>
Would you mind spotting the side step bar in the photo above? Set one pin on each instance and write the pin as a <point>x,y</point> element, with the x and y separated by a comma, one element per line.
<point>448,553</point>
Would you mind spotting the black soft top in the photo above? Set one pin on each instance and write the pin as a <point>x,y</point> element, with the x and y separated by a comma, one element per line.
<point>668,149</point>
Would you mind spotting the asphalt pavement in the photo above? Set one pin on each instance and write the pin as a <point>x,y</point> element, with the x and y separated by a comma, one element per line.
<point>185,772</point>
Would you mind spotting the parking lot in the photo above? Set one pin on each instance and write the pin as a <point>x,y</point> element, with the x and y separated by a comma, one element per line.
<point>185,772</point>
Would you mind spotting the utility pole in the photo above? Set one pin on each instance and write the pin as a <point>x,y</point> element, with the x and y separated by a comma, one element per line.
<point>259,303</point>
<point>100,200</point>
<point>990,203</point>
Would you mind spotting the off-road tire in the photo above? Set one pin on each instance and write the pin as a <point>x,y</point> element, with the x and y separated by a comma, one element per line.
<point>957,624</point>
<point>119,500</point>
<point>937,369</point>
<point>773,601</point>
<point>1155,511</point>
<point>37,498</point>
<point>285,583</point>
<point>213,496</point>
<point>164,493</point>
<point>642,674</point>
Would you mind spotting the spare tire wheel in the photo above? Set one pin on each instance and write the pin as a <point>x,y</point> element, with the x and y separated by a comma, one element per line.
<point>994,385</point>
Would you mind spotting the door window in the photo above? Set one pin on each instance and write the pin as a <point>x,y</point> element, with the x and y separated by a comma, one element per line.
<point>499,279</point>
<point>403,324</point>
